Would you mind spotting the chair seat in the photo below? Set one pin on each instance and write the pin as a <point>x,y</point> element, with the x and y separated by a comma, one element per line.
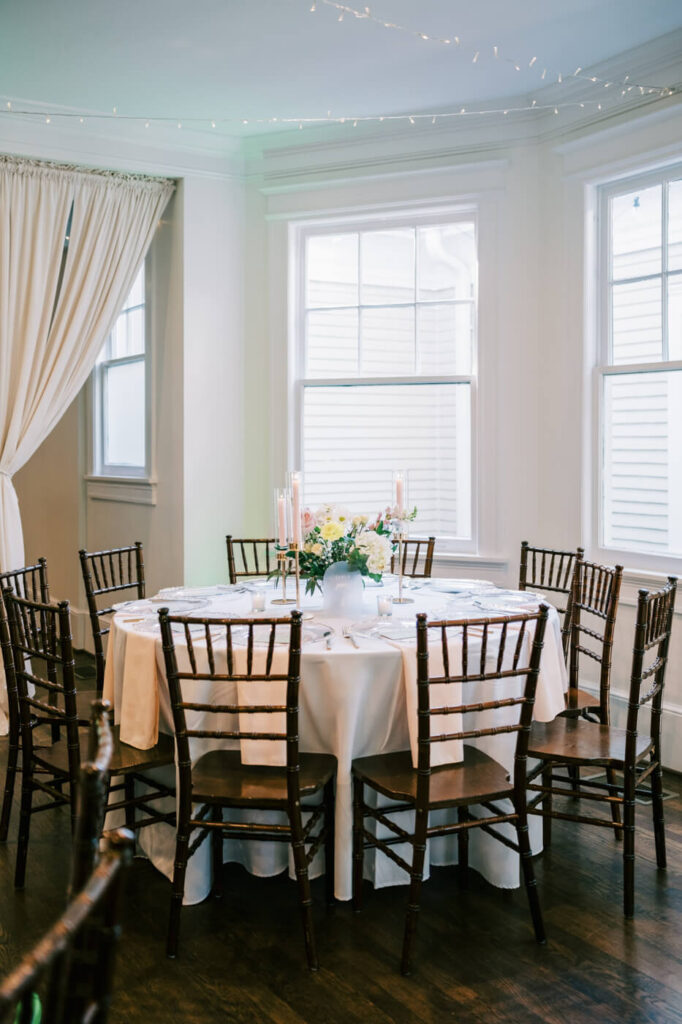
<point>576,741</point>
<point>579,700</point>
<point>476,777</point>
<point>220,777</point>
<point>124,759</point>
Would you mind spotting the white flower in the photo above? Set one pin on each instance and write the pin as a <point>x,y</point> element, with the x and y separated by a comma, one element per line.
<point>378,549</point>
<point>327,513</point>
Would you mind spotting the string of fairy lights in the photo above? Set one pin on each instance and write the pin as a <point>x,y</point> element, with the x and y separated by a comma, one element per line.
<point>621,89</point>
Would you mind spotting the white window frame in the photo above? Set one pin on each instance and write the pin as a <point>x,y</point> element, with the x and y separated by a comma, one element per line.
<point>651,561</point>
<point>299,233</point>
<point>109,482</point>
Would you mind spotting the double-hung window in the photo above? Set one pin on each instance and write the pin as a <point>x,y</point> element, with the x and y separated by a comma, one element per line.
<point>386,367</point>
<point>640,371</point>
<point>120,392</point>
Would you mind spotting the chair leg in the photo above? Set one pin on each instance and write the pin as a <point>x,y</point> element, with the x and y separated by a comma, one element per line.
<point>615,808</point>
<point>416,877</point>
<point>529,874</point>
<point>657,812</point>
<point>574,776</point>
<point>547,808</point>
<point>178,891</point>
<point>463,848</point>
<point>24,825</point>
<point>330,839</point>
<point>305,901</point>
<point>217,855</point>
<point>12,758</point>
<point>129,793</point>
<point>629,844</point>
<point>358,844</point>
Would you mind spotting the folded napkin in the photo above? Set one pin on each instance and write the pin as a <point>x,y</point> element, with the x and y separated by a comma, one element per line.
<point>458,694</point>
<point>263,693</point>
<point>140,694</point>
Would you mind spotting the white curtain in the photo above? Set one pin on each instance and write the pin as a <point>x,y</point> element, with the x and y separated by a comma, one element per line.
<point>59,299</point>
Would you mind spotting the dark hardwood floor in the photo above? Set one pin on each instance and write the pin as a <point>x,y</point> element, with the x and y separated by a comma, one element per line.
<point>242,958</point>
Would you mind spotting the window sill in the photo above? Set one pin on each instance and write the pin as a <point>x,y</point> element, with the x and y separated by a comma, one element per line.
<point>130,490</point>
<point>447,562</point>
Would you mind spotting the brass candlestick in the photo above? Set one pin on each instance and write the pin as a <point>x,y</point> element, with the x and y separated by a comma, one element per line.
<point>282,559</point>
<point>400,599</point>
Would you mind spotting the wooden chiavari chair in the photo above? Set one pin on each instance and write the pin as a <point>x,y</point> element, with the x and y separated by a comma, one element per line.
<point>29,582</point>
<point>113,571</point>
<point>73,963</point>
<point>477,779</point>
<point>417,558</point>
<point>551,571</point>
<point>583,743</point>
<point>219,781</point>
<point>40,635</point>
<point>250,557</point>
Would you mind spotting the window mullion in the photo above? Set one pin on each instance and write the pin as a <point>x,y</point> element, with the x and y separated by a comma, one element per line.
<point>665,347</point>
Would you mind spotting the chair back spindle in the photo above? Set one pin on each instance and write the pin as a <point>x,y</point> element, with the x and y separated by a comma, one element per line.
<point>417,561</point>
<point>113,571</point>
<point>594,603</point>
<point>552,571</point>
<point>250,557</point>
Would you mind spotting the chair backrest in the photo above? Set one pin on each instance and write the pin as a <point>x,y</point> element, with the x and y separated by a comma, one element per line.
<point>250,556</point>
<point>73,964</point>
<point>113,571</point>
<point>649,661</point>
<point>42,655</point>
<point>594,602</point>
<point>30,582</point>
<point>231,656</point>
<point>552,571</point>
<point>417,558</point>
<point>492,649</point>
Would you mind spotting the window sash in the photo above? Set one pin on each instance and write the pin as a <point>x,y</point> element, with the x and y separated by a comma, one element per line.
<point>98,399</point>
<point>606,368</point>
<point>299,382</point>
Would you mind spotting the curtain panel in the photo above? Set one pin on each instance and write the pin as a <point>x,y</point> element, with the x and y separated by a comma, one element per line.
<point>59,298</point>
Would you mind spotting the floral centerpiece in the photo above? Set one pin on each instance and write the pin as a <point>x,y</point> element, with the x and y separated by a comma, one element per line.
<point>331,534</point>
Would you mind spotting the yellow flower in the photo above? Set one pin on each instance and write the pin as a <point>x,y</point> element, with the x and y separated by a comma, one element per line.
<point>332,531</point>
<point>317,549</point>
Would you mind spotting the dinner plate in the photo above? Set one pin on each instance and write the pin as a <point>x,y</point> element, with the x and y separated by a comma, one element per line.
<point>449,586</point>
<point>509,601</point>
<point>180,593</point>
<point>388,628</point>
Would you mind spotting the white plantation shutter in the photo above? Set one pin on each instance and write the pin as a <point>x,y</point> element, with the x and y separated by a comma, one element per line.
<point>641,466</point>
<point>389,324</point>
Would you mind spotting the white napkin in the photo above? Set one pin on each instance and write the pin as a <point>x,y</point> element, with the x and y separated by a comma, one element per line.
<point>263,692</point>
<point>140,697</point>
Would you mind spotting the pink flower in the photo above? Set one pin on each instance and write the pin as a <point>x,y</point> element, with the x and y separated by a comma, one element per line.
<point>307,520</point>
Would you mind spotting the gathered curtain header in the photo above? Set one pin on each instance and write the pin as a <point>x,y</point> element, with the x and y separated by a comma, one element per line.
<point>25,167</point>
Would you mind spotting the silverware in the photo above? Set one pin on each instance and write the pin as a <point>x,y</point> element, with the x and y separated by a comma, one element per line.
<point>349,636</point>
<point>328,641</point>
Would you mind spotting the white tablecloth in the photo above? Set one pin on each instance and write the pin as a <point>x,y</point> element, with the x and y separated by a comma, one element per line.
<point>352,703</point>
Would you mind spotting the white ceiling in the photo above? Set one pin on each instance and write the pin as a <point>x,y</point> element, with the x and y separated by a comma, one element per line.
<point>234,59</point>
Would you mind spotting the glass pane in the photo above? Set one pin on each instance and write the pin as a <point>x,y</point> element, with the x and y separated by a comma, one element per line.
<point>675,225</point>
<point>675,317</point>
<point>331,270</point>
<point>354,437</point>
<point>446,262</point>
<point>127,337</point>
<point>136,297</point>
<point>642,470</point>
<point>124,414</point>
<point>332,343</point>
<point>387,261</point>
<point>636,322</point>
<point>387,341</point>
<point>636,233</point>
<point>445,337</point>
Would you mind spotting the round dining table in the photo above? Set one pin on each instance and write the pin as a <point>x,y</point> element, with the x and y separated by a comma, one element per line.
<point>357,697</point>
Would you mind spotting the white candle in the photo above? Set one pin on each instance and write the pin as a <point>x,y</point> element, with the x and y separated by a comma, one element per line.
<point>384,606</point>
<point>400,493</point>
<point>257,601</point>
<point>296,507</point>
<point>282,519</point>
